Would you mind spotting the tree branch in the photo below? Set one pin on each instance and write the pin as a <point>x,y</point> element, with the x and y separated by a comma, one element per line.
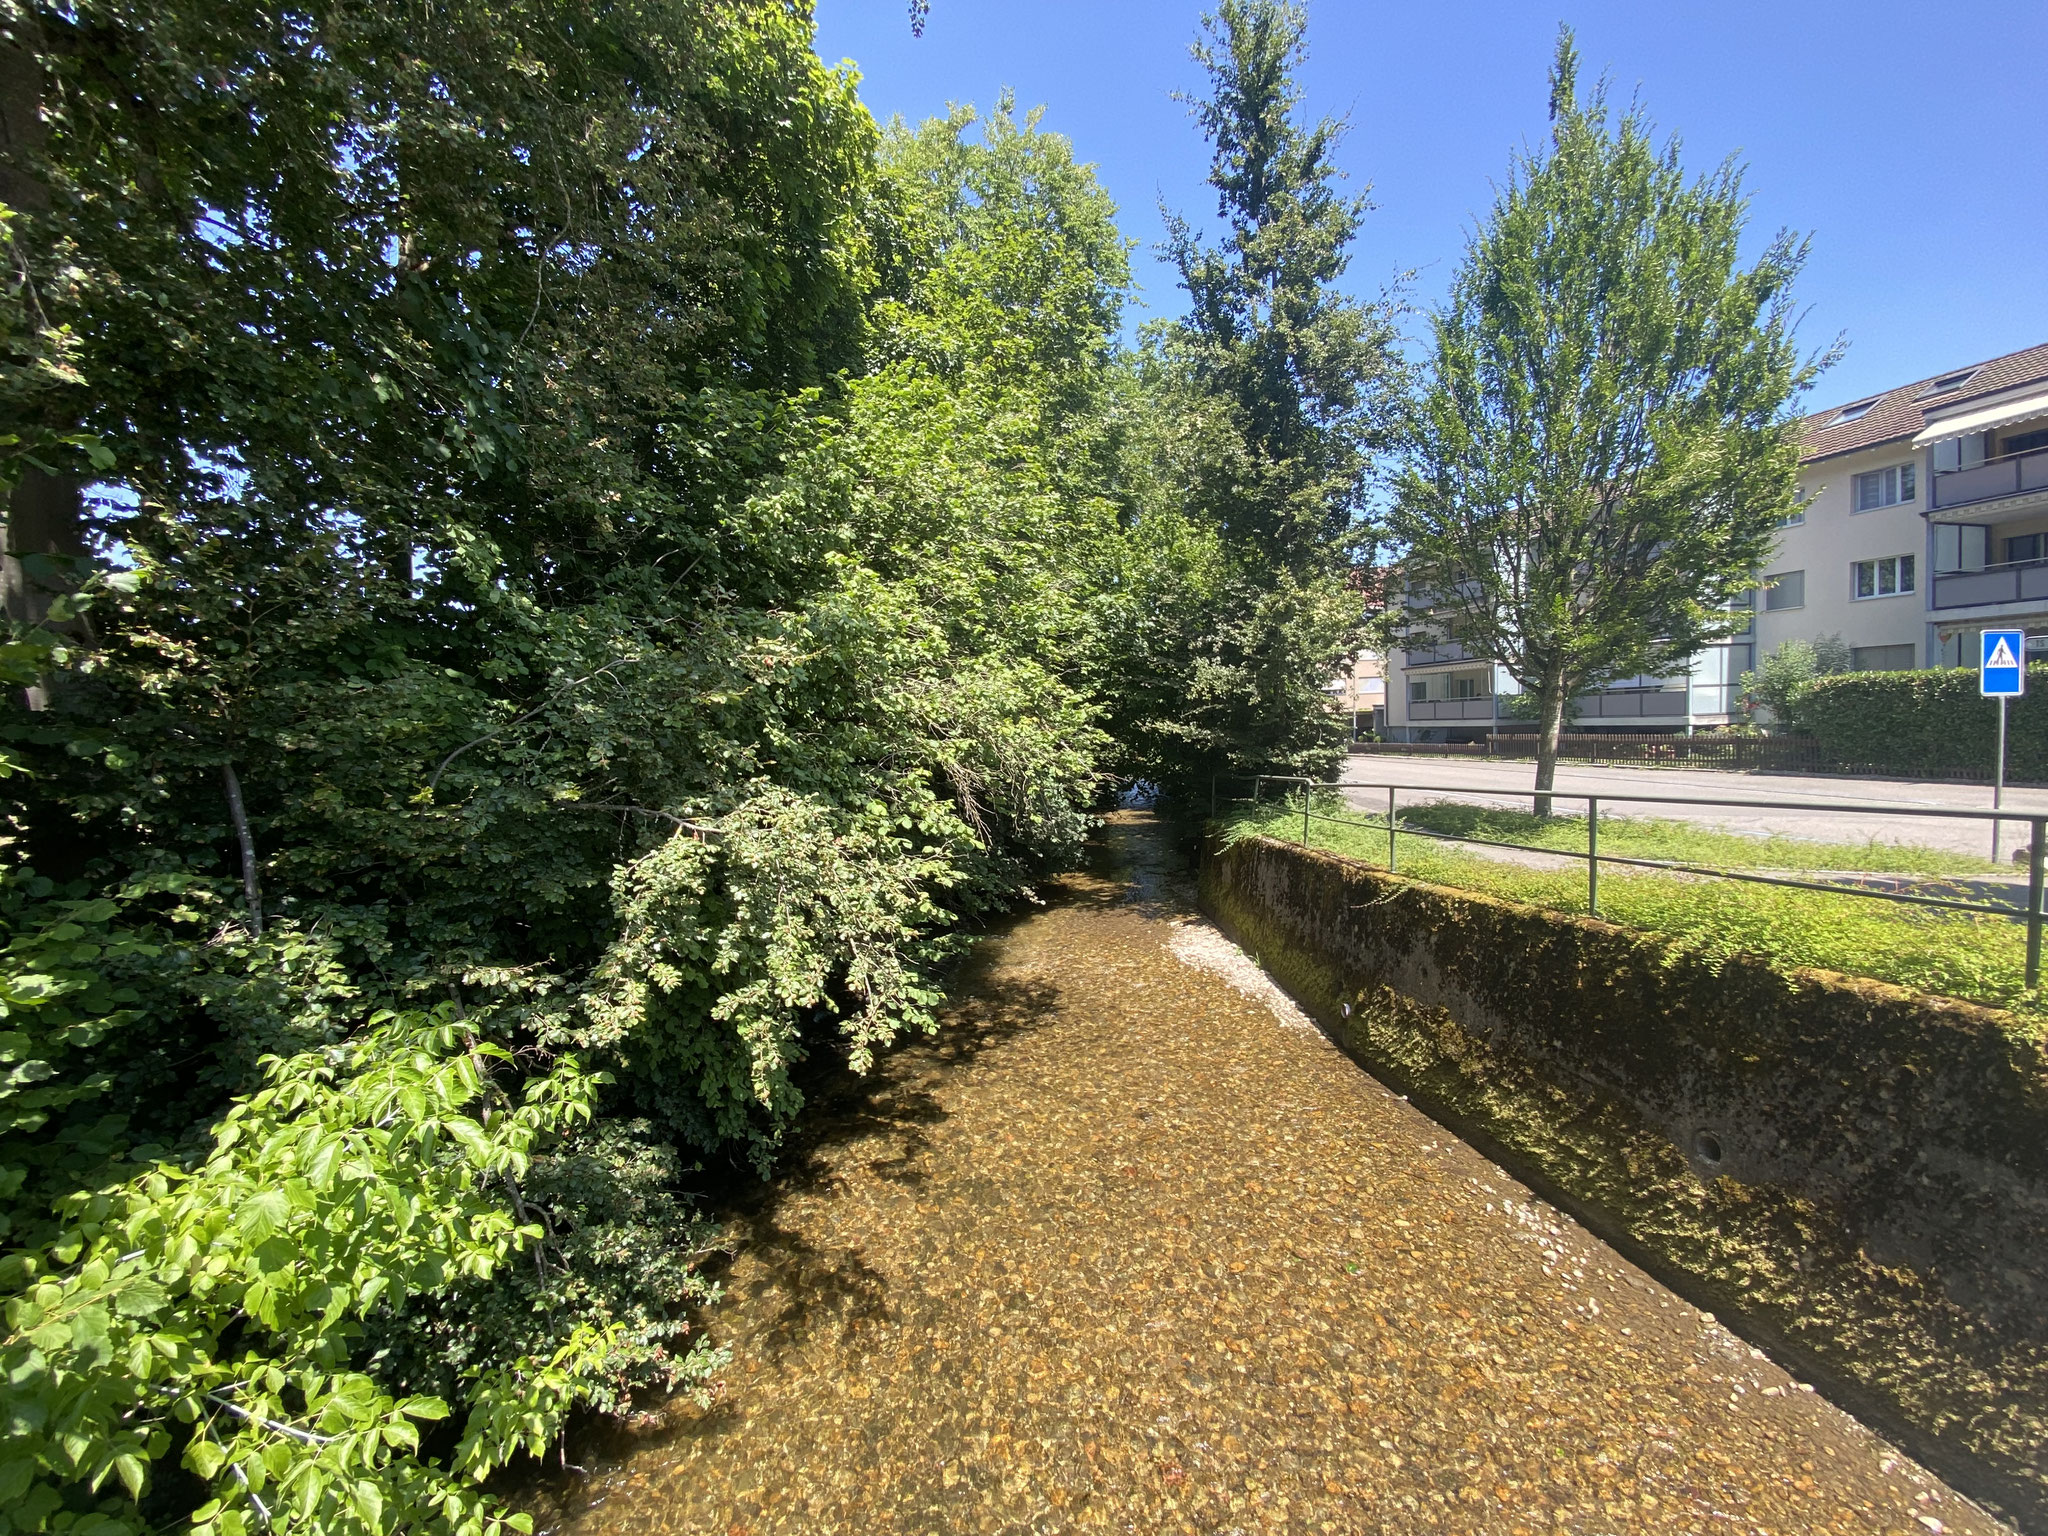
<point>435,781</point>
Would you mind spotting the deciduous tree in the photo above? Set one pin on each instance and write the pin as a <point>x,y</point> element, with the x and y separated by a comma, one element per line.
<point>1603,447</point>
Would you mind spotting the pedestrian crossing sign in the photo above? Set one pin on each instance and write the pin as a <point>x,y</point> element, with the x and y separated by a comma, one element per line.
<point>2000,672</point>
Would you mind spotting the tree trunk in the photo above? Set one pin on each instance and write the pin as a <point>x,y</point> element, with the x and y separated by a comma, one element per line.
<point>252,884</point>
<point>1552,699</point>
<point>45,512</point>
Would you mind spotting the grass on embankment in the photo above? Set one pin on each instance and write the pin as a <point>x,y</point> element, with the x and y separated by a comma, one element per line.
<point>1954,954</point>
<point>1680,842</point>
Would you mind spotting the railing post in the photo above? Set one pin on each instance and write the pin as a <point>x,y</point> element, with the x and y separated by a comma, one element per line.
<point>2034,904</point>
<point>1390,829</point>
<point>1304,815</point>
<point>1212,797</point>
<point>1593,854</point>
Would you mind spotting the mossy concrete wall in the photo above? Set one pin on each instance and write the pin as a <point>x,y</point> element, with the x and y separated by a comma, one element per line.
<point>1854,1174</point>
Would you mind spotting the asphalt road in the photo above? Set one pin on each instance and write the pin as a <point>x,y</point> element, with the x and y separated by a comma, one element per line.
<point>1856,820</point>
<point>1132,1247</point>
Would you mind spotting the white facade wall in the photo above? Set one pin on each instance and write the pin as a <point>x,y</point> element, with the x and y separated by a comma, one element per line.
<point>1825,549</point>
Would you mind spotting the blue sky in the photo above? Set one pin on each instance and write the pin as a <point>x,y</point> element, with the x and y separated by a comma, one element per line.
<point>1909,140</point>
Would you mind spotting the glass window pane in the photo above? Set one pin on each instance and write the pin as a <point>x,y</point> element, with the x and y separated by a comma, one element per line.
<point>1887,577</point>
<point>1905,573</point>
<point>1905,482</point>
<point>1866,578</point>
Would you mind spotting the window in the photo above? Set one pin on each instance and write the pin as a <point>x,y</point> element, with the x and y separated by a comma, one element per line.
<point>1959,546</point>
<point>1889,577</point>
<point>1882,488</point>
<point>1965,452</point>
<point>1881,658</point>
<point>2024,442</point>
<point>1468,685</point>
<point>1418,691</point>
<point>2026,547</point>
<point>1746,606</point>
<point>1946,383</point>
<point>1787,589</point>
<point>1854,412</point>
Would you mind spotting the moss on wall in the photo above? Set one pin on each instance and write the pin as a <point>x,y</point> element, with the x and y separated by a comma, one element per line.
<point>1850,1172</point>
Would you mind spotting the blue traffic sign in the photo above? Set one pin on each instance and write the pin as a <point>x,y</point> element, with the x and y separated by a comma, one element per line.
<point>2001,667</point>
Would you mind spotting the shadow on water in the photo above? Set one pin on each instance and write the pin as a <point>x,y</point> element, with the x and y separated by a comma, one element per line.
<point>872,1127</point>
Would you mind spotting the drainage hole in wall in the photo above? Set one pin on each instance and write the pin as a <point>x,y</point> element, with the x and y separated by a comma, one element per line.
<point>1706,1147</point>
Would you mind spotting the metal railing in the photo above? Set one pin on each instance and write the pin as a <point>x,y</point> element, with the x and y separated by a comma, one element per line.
<point>2031,914</point>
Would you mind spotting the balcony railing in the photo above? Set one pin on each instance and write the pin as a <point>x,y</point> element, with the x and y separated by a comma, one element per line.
<point>1629,704</point>
<point>1636,704</point>
<point>2012,475</point>
<point>1429,656</point>
<point>2022,581</point>
<point>1450,709</point>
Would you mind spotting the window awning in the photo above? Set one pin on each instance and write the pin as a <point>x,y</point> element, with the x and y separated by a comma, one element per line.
<point>1984,418</point>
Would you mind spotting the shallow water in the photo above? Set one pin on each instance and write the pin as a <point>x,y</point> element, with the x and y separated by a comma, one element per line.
<point>1130,1246</point>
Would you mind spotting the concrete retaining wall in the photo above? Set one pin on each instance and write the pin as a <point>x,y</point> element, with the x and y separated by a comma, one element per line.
<point>1854,1174</point>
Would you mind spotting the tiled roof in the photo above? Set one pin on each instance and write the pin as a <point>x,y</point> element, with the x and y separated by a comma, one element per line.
<point>1901,412</point>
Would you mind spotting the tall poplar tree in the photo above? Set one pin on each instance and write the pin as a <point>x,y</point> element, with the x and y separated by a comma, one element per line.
<point>1603,447</point>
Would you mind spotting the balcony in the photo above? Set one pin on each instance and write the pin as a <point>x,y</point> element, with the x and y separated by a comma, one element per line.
<point>2023,581</point>
<point>1429,656</point>
<point>1634,704</point>
<point>2013,475</point>
<point>1450,709</point>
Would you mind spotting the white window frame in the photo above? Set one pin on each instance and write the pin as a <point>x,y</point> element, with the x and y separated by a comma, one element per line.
<point>1895,485</point>
<point>1903,571</point>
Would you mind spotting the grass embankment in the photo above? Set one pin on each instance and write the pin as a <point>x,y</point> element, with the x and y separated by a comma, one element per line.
<point>1955,954</point>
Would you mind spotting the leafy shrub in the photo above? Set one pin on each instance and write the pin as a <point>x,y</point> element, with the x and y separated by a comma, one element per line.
<point>1788,672</point>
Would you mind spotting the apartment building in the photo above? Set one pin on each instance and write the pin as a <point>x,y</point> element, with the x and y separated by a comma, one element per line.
<point>1922,520</point>
<point>1361,693</point>
<point>1950,471</point>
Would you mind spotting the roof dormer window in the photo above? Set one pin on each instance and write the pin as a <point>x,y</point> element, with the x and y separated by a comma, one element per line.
<point>1854,412</point>
<point>1947,383</point>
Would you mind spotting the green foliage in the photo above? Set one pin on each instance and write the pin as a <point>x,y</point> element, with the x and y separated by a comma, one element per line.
<point>1926,722</point>
<point>207,1309</point>
<point>1603,450</point>
<point>1788,673</point>
<point>631,534</point>
<point>1237,597</point>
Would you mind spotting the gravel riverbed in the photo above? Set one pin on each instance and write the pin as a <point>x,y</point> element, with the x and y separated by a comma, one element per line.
<point>1130,1246</point>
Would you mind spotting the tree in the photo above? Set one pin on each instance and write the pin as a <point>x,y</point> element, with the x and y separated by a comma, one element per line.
<point>1603,447</point>
<point>1788,673</point>
<point>608,557</point>
<point>1262,410</point>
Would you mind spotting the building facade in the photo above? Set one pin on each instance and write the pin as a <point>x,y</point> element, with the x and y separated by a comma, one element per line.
<point>1922,521</point>
<point>1361,693</point>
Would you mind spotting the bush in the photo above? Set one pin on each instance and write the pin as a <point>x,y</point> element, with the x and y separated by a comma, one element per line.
<point>1787,675</point>
<point>1926,722</point>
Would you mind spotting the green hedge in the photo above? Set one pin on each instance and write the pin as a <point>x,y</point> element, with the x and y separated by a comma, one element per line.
<point>1926,722</point>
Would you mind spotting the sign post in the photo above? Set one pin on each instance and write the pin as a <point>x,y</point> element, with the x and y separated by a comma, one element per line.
<point>2001,675</point>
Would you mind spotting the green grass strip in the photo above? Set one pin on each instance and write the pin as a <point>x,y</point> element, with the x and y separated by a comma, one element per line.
<point>1953,954</point>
